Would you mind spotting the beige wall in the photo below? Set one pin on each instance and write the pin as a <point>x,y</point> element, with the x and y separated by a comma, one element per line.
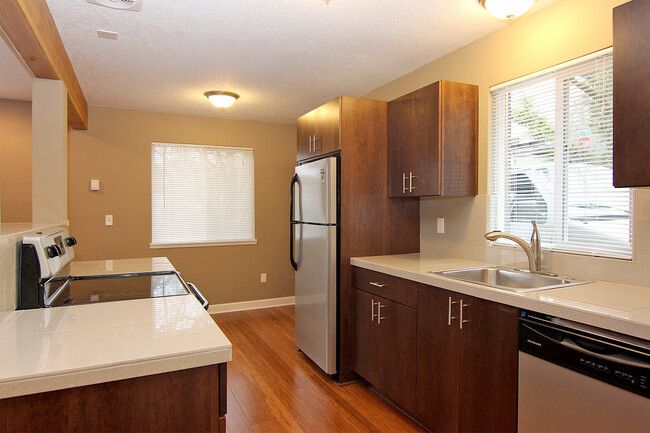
<point>562,31</point>
<point>16,161</point>
<point>116,149</point>
<point>49,151</point>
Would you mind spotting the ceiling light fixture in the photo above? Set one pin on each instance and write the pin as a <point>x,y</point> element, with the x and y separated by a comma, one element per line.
<point>221,98</point>
<point>507,9</point>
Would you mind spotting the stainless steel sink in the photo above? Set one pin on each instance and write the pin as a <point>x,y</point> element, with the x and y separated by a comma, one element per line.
<point>510,279</point>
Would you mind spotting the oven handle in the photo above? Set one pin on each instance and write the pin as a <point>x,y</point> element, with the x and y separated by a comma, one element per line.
<point>199,295</point>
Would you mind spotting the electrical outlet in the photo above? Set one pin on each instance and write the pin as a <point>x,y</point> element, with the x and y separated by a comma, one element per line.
<point>108,220</point>
<point>94,184</point>
<point>263,278</point>
<point>441,225</point>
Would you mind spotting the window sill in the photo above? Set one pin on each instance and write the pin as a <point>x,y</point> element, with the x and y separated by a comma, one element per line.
<point>203,244</point>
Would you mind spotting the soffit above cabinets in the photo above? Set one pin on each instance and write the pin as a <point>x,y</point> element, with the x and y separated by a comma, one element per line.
<point>283,57</point>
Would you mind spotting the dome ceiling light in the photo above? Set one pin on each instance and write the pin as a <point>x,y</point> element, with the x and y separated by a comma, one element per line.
<point>221,98</point>
<point>507,9</point>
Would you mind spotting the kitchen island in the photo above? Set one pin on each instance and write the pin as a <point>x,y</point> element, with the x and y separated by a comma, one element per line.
<point>138,365</point>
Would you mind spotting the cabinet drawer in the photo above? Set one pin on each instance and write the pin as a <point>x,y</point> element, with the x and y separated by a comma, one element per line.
<point>387,286</point>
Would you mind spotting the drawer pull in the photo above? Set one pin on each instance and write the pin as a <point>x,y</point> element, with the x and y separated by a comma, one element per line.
<point>372,283</point>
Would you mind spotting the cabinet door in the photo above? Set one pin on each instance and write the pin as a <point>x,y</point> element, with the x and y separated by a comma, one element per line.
<point>365,357</point>
<point>458,135</point>
<point>631,94</point>
<point>438,346</point>
<point>488,366</point>
<point>426,126</point>
<point>327,127</point>
<point>400,145</point>
<point>306,128</point>
<point>397,326</point>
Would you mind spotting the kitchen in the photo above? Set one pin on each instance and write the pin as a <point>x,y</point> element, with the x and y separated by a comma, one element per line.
<point>120,157</point>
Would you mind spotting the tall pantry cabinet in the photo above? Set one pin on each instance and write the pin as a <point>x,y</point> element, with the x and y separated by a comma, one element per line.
<point>371,223</point>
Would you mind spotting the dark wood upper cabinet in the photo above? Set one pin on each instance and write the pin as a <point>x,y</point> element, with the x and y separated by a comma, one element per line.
<point>306,125</point>
<point>433,141</point>
<point>631,94</point>
<point>318,130</point>
<point>466,363</point>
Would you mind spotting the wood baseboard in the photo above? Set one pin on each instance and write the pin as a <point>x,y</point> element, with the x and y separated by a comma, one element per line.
<point>251,305</point>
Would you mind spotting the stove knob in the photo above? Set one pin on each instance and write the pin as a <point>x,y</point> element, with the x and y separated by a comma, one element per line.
<point>71,241</point>
<point>53,251</point>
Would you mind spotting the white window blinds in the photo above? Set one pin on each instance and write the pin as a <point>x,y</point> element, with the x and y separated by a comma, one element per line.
<point>202,194</point>
<point>550,160</point>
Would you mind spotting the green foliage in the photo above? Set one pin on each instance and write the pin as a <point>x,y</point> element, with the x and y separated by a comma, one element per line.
<point>539,128</point>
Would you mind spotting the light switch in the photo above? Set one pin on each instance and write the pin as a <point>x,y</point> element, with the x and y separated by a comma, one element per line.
<point>441,225</point>
<point>109,220</point>
<point>262,278</point>
<point>94,184</point>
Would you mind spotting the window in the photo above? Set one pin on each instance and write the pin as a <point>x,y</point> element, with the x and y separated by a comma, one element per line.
<point>201,195</point>
<point>551,160</point>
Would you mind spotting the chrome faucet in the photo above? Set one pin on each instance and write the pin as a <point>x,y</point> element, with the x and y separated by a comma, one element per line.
<point>533,251</point>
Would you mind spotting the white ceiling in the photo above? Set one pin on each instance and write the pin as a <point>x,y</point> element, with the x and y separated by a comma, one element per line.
<point>284,57</point>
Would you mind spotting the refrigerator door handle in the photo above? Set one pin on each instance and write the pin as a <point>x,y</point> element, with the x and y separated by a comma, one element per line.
<point>292,222</point>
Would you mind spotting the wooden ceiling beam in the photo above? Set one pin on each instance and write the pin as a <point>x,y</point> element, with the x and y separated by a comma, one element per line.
<point>30,28</point>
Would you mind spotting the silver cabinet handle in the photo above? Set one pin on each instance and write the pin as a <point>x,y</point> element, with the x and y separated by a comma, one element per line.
<point>315,148</point>
<point>403,183</point>
<point>411,187</point>
<point>379,316</point>
<point>461,321</point>
<point>372,310</point>
<point>310,143</point>
<point>449,316</point>
<point>372,283</point>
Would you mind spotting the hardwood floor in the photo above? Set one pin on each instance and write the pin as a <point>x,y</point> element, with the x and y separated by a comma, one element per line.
<point>272,387</point>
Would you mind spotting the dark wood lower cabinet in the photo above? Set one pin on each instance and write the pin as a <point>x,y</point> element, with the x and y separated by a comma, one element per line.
<point>451,362</point>
<point>467,363</point>
<point>384,345</point>
<point>190,400</point>
<point>365,359</point>
<point>438,364</point>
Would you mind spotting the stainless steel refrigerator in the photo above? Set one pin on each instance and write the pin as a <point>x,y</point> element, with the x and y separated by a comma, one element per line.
<point>314,253</point>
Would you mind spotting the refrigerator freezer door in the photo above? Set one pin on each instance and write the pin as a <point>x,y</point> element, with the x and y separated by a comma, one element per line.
<point>316,193</point>
<point>316,294</point>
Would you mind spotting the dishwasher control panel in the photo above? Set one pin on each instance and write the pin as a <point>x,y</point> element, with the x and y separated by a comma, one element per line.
<point>618,361</point>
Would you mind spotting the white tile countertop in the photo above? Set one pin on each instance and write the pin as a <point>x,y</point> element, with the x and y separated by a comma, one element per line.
<point>119,266</point>
<point>62,347</point>
<point>617,307</point>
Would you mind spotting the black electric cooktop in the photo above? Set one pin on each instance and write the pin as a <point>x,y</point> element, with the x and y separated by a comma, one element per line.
<point>84,290</point>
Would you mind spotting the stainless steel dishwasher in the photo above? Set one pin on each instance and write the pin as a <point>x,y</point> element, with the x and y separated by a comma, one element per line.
<point>578,378</point>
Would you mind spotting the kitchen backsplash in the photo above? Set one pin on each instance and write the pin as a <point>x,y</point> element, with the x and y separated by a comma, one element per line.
<point>466,223</point>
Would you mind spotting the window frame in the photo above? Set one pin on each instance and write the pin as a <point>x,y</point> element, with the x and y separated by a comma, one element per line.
<point>210,243</point>
<point>498,175</point>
